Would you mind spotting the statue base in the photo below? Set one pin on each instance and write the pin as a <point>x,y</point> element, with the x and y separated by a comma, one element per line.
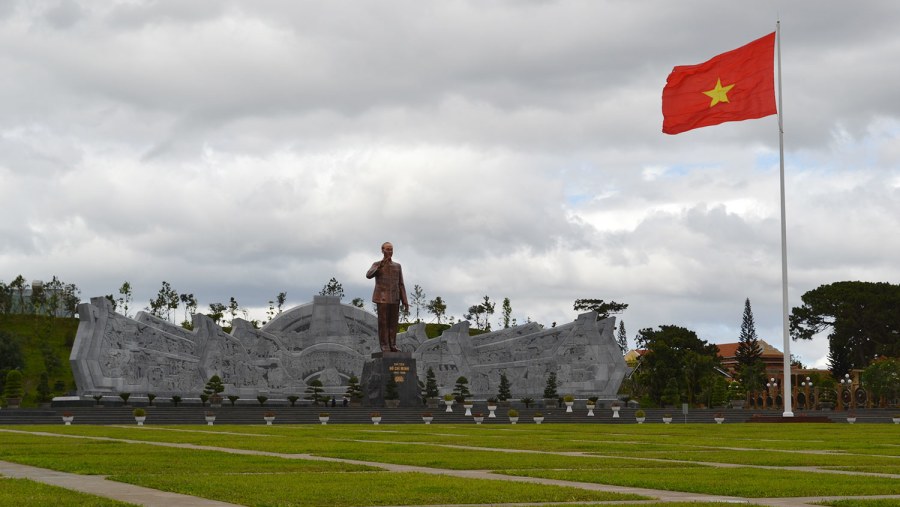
<point>384,367</point>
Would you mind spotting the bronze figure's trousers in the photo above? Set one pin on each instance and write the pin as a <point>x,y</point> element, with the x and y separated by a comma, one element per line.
<point>388,318</point>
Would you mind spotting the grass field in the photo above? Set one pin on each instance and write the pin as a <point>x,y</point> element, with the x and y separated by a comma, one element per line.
<point>753,461</point>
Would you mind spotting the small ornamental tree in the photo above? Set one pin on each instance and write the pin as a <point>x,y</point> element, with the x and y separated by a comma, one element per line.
<point>43,388</point>
<point>461,389</point>
<point>214,386</point>
<point>13,387</point>
<point>390,389</point>
<point>550,388</point>
<point>503,393</point>
<point>354,390</point>
<point>431,387</point>
<point>314,391</point>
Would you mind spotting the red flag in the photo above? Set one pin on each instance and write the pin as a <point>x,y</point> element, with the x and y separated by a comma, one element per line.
<point>734,86</point>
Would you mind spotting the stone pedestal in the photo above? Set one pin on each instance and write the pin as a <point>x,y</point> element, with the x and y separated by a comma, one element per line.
<point>385,365</point>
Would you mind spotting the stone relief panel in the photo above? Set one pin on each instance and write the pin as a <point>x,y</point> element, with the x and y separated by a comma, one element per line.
<point>330,341</point>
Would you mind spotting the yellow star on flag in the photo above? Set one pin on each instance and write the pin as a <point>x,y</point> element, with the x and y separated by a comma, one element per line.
<point>719,93</point>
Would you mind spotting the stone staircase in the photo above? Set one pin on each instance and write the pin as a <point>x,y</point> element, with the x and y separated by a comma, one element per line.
<point>167,414</point>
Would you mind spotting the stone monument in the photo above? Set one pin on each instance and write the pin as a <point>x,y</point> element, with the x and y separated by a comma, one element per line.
<point>331,341</point>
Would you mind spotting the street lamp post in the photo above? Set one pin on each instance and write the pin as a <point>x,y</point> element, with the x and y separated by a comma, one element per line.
<point>771,385</point>
<point>806,384</point>
<point>847,383</point>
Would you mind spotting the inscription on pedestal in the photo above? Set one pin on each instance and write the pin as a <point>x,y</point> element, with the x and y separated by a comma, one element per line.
<point>387,367</point>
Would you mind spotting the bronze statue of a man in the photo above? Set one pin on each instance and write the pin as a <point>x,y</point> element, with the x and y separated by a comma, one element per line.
<point>389,294</point>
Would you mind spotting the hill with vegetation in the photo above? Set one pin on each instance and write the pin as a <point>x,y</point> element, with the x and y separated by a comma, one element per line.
<point>39,346</point>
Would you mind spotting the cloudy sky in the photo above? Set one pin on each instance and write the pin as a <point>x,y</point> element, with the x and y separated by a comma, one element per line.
<point>510,149</point>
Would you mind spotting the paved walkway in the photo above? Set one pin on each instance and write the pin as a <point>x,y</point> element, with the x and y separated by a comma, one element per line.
<point>99,485</point>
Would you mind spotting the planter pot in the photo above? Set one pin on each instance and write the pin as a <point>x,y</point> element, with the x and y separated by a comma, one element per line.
<point>140,419</point>
<point>896,420</point>
<point>719,420</point>
<point>615,411</point>
<point>449,404</point>
<point>491,413</point>
<point>478,420</point>
<point>68,419</point>
<point>210,419</point>
<point>269,420</point>
<point>590,409</point>
<point>513,420</point>
<point>427,419</point>
<point>468,407</point>
<point>667,420</point>
<point>323,420</point>
<point>569,406</point>
<point>851,420</point>
<point>640,420</point>
<point>376,420</point>
<point>538,420</point>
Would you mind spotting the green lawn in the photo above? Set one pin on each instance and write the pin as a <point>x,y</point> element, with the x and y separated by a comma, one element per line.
<point>754,458</point>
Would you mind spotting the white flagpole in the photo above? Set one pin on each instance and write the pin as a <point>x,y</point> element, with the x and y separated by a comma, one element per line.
<point>786,383</point>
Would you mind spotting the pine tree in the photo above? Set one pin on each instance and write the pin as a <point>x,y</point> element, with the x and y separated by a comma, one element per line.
<point>461,389</point>
<point>503,391</point>
<point>431,387</point>
<point>749,353</point>
<point>550,388</point>
<point>622,338</point>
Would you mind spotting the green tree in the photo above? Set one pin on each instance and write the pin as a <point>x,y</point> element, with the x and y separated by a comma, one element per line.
<point>418,299</point>
<point>882,377</point>
<point>603,309</point>
<point>506,312</point>
<point>233,308</point>
<point>165,301</point>
<point>217,312</point>
<point>282,297</point>
<point>10,355</point>
<point>551,386</point>
<point>332,288</point>
<point>18,286</point>
<point>622,338</point>
<point>126,296</point>
<point>354,390</point>
<point>214,385</point>
<point>359,303</point>
<point>431,386</point>
<point>503,390</point>
<point>461,389</point>
<point>675,355</point>
<point>190,306</point>
<point>437,307</point>
<point>863,319</point>
<point>13,386</point>
<point>314,391</point>
<point>750,367</point>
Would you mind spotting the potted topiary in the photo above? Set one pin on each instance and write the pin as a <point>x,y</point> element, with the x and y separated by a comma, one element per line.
<point>719,417</point>
<point>591,404</point>
<point>431,389</point>
<point>323,417</point>
<point>176,400</point>
<point>13,390</point>
<point>269,417</point>
<point>616,406</point>
<point>468,404</point>
<point>513,415</point>
<point>527,401</point>
<point>150,398</point>
<point>292,399</point>
<point>491,406</point>
<point>448,401</point>
<point>210,417</point>
<point>214,388</point>
<point>569,400</point>
<point>376,417</point>
<point>140,415</point>
<point>427,417</point>
<point>262,399</point>
<point>667,418</point>
<point>851,417</point>
<point>233,398</point>
<point>67,418</point>
<point>538,417</point>
<point>640,415</point>
<point>354,391</point>
<point>124,397</point>
<point>478,417</point>
<point>97,399</point>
